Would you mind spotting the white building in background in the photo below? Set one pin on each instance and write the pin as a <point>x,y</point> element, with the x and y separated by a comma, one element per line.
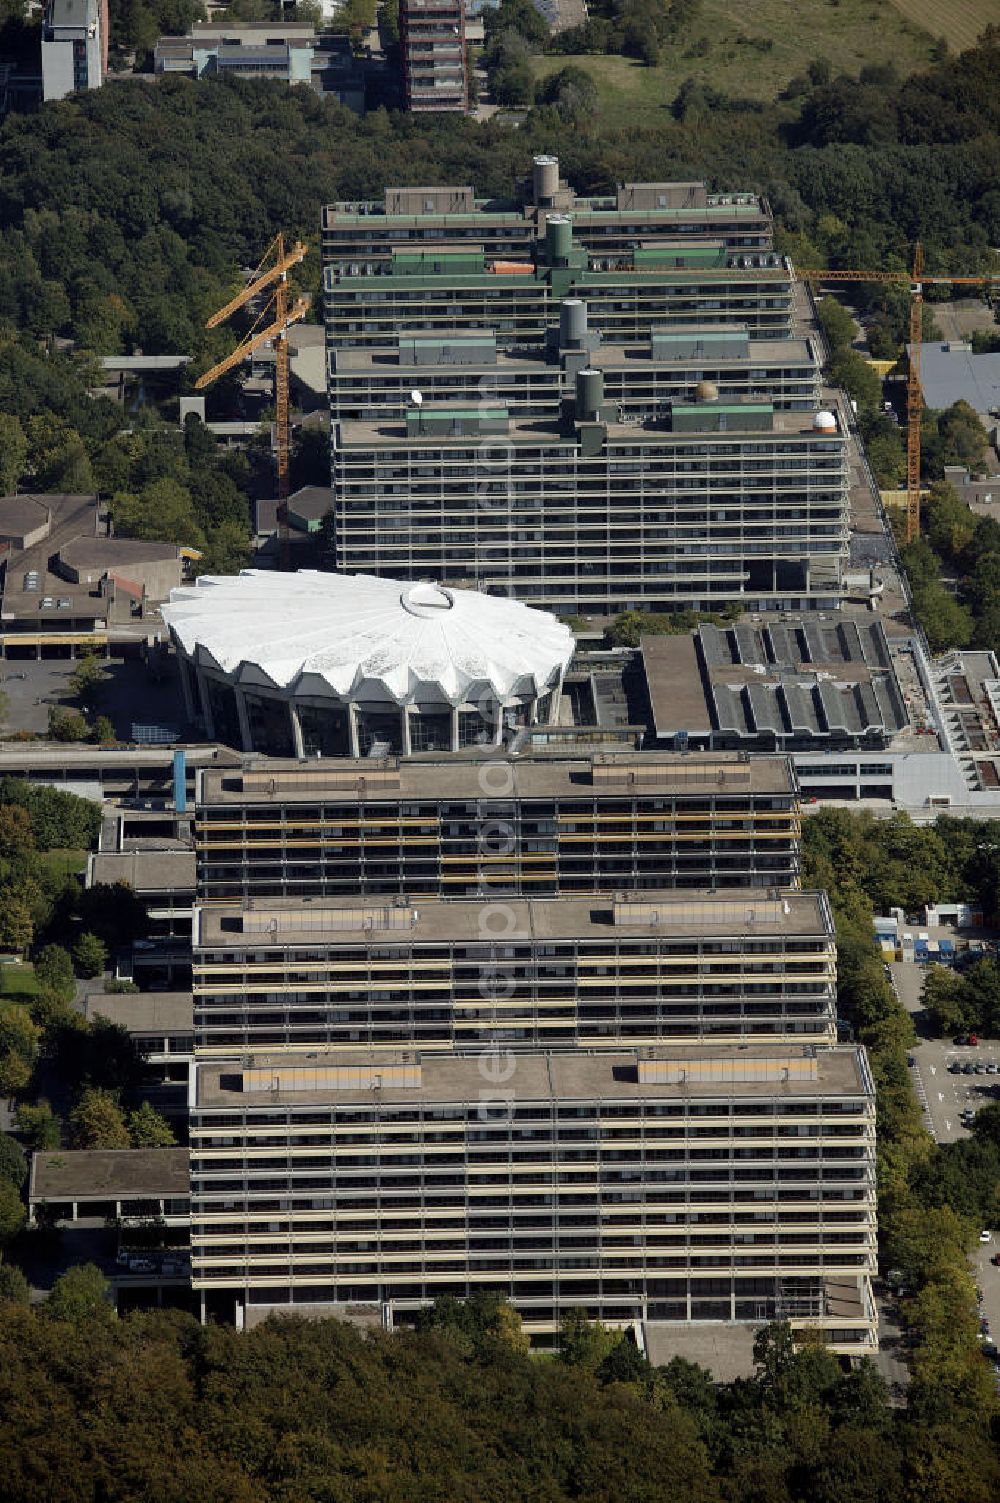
<point>74,47</point>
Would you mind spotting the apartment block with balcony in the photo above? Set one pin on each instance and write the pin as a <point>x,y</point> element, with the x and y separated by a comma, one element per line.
<point>359,237</point>
<point>540,973</point>
<point>469,828</point>
<point>639,1186</point>
<point>446,287</point>
<point>717,504</point>
<point>641,380</point>
<point>433,50</point>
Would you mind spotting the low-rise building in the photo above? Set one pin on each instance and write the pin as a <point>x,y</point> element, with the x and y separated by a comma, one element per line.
<point>68,585</point>
<point>815,684</point>
<point>292,52</point>
<point>128,1185</point>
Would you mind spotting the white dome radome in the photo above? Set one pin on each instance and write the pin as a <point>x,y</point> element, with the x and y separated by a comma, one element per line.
<point>825,422</point>
<point>356,633</point>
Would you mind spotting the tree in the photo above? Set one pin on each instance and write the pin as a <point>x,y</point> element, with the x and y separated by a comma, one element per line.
<point>17,927</point>
<point>12,1212</point>
<point>836,323</point>
<point>86,679</point>
<point>13,452</point>
<point>585,1343</point>
<point>97,1121</point>
<point>60,820</point>
<point>54,969</point>
<point>38,1125</point>
<point>14,1287</point>
<point>67,725</point>
<point>90,955</point>
<point>104,731</point>
<point>16,831</point>
<point>19,1040</point>
<point>148,1129</point>
<point>79,1296</point>
<point>13,1164</point>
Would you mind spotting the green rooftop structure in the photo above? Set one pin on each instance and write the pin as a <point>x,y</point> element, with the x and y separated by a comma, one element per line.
<point>361,236</point>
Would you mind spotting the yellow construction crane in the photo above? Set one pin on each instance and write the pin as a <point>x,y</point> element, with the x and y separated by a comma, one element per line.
<point>914,397</point>
<point>272,325</point>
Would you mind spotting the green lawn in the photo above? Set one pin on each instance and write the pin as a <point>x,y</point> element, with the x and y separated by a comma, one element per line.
<point>17,982</point>
<point>849,33</point>
<point>62,862</point>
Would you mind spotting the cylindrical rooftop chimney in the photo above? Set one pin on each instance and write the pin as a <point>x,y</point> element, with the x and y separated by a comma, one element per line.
<point>545,180</point>
<point>558,239</point>
<point>572,323</point>
<point>589,394</point>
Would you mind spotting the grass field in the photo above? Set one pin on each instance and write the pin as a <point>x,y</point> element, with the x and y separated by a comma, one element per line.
<point>961,21</point>
<point>63,862</point>
<point>17,982</point>
<point>850,33</point>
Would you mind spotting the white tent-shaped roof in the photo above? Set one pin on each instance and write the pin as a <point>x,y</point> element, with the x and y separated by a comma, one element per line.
<point>364,637</point>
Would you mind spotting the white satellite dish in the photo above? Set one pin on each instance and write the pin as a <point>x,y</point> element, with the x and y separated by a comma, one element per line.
<point>417,397</point>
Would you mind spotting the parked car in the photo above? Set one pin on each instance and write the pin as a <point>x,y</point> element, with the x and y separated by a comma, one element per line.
<point>973,1038</point>
<point>993,1068</point>
<point>141,1265</point>
<point>995,1260</point>
<point>985,1236</point>
<point>955,1067</point>
<point>961,1038</point>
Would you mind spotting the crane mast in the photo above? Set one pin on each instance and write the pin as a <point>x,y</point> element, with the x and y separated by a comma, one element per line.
<point>271,326</point>
<point>917,281</point>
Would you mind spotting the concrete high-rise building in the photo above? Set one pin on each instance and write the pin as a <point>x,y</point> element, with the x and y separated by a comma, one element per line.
<point>74,46</point>
<point>435,60</point>
<point>708,1186</point>
<point>715,503</point>
<point>440,287</point>
<point>467,829</point>
<point>358,975</point>
<point>641,379</point>
<point>361,237</point>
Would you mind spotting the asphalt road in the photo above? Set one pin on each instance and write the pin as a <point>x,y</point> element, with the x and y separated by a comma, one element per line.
<point>988,1283</point>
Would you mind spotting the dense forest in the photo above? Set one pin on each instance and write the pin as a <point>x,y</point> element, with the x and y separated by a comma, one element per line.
<point>155,1407</point>
<point>125,212</point>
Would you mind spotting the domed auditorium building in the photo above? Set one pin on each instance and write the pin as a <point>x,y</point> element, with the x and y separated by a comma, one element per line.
<point>334,665</point>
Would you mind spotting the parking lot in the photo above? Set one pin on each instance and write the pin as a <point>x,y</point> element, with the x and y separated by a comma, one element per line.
<point>943,1094</point>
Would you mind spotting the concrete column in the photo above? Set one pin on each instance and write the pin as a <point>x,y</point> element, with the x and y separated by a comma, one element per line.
<point>244,718</point>
<point>352,729</point>
<point>405,725</point>
<point>206,707</point>
<point>454,728</point>
<point>298,745</point>
<point>498,728</point>
<point>185,676</point>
